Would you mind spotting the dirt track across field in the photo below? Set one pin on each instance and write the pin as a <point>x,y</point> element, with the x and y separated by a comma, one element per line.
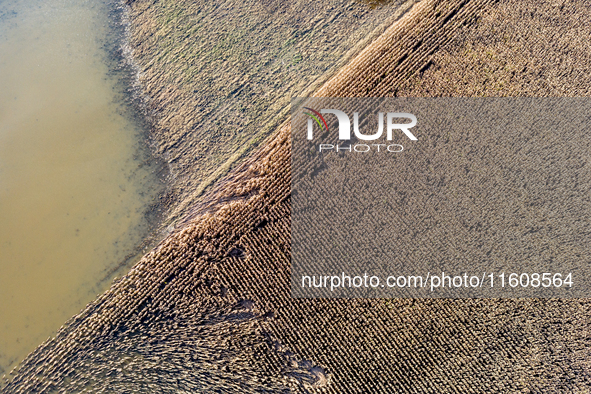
<point>209,309</point>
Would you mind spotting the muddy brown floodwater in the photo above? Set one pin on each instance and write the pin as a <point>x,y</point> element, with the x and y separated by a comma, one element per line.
<point>75,182</point>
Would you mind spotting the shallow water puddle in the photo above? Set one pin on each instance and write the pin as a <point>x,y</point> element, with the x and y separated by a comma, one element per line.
<point>75,182</point>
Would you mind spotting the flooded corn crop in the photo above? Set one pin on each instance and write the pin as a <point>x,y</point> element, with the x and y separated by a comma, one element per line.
<point>77,182</point>
<point>78,187</point>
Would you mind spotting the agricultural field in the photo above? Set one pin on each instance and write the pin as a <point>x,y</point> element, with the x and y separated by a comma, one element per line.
<point>210,309</point>
<point>217,77</point>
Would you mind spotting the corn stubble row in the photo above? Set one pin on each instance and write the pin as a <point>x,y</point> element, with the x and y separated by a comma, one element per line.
<point>209,310</point>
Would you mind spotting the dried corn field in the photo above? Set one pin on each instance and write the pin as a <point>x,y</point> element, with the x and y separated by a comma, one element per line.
<point>209,309</point>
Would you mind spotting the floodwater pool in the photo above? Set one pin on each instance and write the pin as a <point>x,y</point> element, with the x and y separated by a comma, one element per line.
<point>78,185</point>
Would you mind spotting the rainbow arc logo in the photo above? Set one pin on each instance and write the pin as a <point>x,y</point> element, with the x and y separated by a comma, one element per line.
<point>317,116</point>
